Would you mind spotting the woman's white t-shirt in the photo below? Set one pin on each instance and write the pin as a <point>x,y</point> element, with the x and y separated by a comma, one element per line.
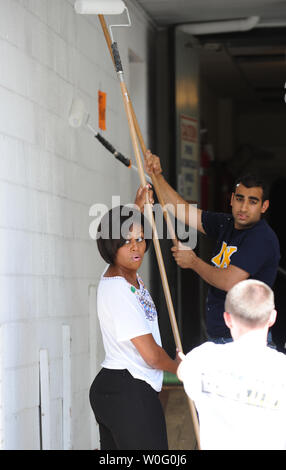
<point>124,313</point>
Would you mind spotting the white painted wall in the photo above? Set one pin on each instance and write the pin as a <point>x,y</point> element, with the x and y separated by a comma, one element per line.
<point>50,176</point>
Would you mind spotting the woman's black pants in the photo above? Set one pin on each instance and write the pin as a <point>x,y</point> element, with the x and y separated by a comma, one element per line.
<point>128,411</point>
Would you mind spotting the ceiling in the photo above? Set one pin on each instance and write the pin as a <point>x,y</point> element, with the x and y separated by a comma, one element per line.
<point>248,66</point>
<point>169,12</point>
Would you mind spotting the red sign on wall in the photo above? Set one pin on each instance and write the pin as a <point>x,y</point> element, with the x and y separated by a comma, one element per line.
<point>102,110</point>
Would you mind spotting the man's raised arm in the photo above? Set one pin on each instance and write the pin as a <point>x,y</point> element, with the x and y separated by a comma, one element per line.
<point>185,212</point>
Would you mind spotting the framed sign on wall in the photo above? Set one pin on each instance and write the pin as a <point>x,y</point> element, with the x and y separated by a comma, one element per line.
<point>189,165</point>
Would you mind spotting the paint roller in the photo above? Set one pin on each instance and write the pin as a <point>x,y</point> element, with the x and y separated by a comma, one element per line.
<point>104,7</point>
<point>78,117</point>
<point>117,7</point>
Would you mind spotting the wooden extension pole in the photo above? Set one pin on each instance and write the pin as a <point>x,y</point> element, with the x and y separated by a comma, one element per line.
<point>134,131</point>
<point>141,140</point>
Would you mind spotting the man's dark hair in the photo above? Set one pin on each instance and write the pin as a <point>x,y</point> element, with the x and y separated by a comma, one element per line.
<point>114,227</point>
<point>252,180</point>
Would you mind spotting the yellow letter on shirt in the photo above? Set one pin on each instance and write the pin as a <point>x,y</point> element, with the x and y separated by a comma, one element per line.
<point>222,259</point>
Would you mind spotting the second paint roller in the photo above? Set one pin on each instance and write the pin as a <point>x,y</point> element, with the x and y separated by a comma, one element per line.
<point>78,117</point>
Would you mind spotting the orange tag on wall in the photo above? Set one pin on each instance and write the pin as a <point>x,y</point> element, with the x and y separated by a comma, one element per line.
<point>101,110</point>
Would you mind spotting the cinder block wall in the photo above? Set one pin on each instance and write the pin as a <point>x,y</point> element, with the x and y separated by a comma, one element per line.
<point>50,177</point>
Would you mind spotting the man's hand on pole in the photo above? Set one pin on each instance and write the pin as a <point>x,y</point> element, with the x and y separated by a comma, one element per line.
<point>184,256</point>
<point>152,164</point>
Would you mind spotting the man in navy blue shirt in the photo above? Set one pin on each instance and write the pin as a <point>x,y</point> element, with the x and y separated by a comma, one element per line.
<point>246,247</point>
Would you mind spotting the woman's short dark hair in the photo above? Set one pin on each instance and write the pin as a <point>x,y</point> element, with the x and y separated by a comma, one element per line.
<point>114,228</point>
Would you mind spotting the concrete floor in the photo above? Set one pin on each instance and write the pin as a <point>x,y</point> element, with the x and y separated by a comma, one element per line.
<point>178,418</point>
